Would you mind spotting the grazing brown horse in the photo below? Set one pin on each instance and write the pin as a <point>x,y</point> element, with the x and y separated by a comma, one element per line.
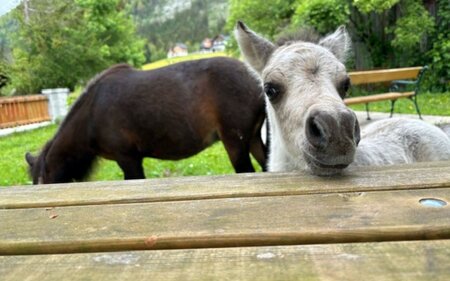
<point>171,113</point>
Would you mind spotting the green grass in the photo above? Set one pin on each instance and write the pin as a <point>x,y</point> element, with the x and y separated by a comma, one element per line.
<point>429,104</point>
<point>13,167</point>
<point>165,62</point>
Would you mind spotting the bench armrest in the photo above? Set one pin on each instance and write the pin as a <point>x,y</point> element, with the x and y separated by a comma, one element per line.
<point>404,82</point>
<point>396,85</point>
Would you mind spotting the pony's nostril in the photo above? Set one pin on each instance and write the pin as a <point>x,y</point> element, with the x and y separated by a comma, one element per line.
<point>350,126</point>
<point>315,133</point>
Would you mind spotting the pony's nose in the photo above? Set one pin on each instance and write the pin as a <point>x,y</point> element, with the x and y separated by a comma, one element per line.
<point>323,128</point>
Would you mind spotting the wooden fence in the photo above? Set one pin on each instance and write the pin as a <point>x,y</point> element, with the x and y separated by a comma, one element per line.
<point>16,111</point>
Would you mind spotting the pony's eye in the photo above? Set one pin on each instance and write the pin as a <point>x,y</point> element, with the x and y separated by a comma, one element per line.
<point>272,91</point>
<point>344,87</point>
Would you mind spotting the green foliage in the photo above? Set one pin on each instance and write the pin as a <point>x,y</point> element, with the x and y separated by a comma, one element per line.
<point>68,43</point>
<point>407,30</point>
<point>267,18</point>
<point>367,6</point>
<point>324,15</point>
<point>439,55</point>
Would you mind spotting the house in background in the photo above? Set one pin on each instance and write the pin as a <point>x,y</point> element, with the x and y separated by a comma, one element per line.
<point>179,50</point>
<point>219,43</point>
<point>206,45</point>
<point>216,44</point>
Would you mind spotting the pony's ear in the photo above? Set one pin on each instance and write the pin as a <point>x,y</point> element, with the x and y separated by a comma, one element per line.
<point>255,48</point>
<point>30,159</point>
<point>338,43</point>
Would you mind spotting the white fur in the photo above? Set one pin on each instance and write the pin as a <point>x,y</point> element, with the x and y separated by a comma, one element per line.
<point>310,74</point>
<point>397,140</point>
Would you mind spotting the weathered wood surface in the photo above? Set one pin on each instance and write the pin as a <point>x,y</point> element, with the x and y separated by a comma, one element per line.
<point>245,221</point>
<point>368,224</point>
<point>399,177</point>
<point>383,75</point>
<point>414,260</point>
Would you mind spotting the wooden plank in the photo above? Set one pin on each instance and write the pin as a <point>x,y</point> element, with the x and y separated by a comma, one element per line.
<point>362,179</point>
<point>14,99</point>
<point>274,220</point>
<point>377,97</point>
<point>24,122</point>
<point>414,260</point>
<point>383,75</point>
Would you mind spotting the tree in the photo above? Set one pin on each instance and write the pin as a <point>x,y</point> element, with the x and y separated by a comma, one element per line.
<point>323,15</point>
<point>64,43</point>
<point>269,18</point>
<point>439,54</point>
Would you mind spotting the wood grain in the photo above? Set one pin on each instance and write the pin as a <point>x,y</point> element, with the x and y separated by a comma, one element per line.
<point>414,260</point>
<point>363,179</point>
<point>229,222</point>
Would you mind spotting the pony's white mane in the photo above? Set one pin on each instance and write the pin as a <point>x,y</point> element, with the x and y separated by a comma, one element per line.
<point>310,126</point>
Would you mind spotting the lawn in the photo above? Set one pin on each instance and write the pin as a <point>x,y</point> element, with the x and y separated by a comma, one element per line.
<point>429,104</point>
<point>165,62</point>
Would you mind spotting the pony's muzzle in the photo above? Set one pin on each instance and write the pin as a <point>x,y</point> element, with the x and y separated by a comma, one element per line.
<point>332,131</point>
<point>332,138</point>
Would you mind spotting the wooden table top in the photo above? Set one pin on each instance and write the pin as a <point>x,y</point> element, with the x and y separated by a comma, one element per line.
<point>374,223</point>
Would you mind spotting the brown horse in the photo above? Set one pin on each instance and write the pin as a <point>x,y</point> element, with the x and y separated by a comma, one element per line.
<point>171,113</point>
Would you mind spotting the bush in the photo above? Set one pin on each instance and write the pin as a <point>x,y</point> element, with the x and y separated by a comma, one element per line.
<point>324,15</point>
<point>68,44</point>
<point>438,79</point>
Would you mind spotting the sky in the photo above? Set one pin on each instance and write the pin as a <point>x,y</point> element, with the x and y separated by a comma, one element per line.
<point>8,5</point>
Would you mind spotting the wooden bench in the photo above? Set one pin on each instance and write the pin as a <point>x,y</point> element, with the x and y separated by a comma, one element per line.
<point>395,76</point>
<point>374,222</point>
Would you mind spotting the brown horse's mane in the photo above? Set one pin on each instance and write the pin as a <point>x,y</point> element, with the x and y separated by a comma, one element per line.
<point>85,97</point>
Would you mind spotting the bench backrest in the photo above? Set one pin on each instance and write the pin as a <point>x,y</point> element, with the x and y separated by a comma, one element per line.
<point>384,75</point>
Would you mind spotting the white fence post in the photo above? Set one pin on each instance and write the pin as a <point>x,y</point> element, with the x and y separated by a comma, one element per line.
<point>57,102</point>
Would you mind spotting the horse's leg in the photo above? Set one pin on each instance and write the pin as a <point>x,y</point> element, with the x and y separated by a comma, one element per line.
<point>259,151</point>
<point>238,152</point>
<point>131,167</point>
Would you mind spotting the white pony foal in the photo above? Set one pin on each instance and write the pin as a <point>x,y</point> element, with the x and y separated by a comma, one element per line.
<point>310,126</point>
